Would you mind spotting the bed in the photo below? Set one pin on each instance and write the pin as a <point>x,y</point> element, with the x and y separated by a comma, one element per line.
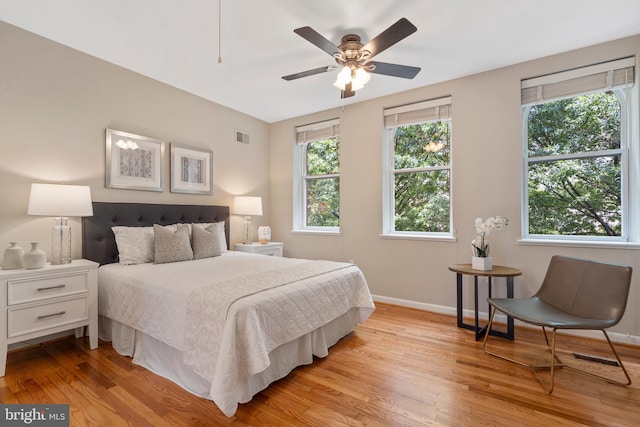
<point>225,325</point>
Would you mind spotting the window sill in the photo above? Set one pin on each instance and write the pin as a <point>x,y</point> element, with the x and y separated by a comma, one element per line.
<point>318,232</point>
<point>579,243</point>
<point>449,239</point>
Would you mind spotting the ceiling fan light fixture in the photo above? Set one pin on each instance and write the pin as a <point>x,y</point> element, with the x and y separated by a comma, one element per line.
<point>343,78</point>
<point>360,78</point>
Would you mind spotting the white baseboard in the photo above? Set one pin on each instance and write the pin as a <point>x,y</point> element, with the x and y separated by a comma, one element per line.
<point>442,309</point>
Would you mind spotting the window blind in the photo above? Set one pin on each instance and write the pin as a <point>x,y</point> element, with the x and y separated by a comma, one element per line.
<point>420,112</point>
<point>317,131</point>
<point>593,78</point>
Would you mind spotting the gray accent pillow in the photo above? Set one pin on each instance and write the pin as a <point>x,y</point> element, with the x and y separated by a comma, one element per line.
<point>222,237</point>
<point>206,243</point>
<point>172,246</point>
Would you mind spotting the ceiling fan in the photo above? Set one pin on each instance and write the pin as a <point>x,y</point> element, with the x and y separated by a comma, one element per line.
<point>355,58</point>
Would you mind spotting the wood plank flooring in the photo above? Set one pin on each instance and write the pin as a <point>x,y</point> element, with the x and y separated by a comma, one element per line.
<point>402,367</point>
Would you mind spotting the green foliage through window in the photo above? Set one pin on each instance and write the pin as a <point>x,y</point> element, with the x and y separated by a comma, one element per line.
<point>323,183</point>
<point>422,177</point>
<point>574,169</point>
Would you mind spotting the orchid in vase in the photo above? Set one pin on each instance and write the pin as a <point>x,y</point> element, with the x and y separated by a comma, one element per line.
<point>481,244</point>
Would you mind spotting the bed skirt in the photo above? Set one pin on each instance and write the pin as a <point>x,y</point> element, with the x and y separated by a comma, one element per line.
<point>167,361</point>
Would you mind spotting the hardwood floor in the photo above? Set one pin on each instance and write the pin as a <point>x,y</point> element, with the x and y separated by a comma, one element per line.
<point>402,367</point>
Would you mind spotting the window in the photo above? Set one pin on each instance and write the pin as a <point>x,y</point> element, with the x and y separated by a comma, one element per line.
<point>576,149</point>
<point>317,177</point>
<point>417,169</point>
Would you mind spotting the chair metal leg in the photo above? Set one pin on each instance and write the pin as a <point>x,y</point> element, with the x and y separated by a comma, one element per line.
<point>534,368</point>
<point>486,335</point>
<point>607,379</point>
<point>552,365</point>
<point>551,350</point>
<point>555,361</point>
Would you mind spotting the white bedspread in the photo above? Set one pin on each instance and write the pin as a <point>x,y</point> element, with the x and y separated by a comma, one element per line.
<point>228,313</point>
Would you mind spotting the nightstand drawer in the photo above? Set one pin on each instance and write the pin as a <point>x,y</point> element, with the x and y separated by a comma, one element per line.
<point>269,251</point>
<point>36,317</point>
<point>51,286</point>
<point>271,248</point>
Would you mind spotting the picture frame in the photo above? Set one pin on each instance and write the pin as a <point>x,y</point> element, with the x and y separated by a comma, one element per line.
<point>134,162</point>
<point>191,170</point>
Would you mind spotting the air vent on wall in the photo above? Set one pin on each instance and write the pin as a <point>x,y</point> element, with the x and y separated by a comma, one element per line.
<point>242,137</point>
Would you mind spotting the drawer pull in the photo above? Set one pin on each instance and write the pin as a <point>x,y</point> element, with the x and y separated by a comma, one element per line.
<point>60,313</point>
<point>52,287</point>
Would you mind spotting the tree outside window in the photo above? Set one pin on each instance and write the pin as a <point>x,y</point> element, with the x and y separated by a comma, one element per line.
<point>422,181</point>
<point>575,166</point>
<point>323,183</point>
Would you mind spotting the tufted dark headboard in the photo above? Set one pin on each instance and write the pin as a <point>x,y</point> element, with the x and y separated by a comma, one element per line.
<point>99,243</point>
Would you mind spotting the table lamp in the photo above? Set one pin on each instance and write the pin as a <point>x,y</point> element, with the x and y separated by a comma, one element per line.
<point>247,206</point>
<point>61,202</point>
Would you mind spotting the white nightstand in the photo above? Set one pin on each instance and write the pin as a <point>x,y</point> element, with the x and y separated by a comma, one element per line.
<point>48,300</point>
<point>271,248</point>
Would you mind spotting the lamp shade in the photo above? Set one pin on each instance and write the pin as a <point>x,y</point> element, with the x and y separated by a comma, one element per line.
<point>246,205</point>
<point>60,200</point>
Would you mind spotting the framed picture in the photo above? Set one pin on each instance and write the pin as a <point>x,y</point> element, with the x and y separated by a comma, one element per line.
<point>134,162</point>
<point>191,170</point>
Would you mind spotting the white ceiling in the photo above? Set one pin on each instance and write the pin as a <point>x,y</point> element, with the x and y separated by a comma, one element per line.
<point>177,41</point>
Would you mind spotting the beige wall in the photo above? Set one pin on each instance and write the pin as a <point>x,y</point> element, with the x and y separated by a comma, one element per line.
<point>55,104</point>
<point>487,169</point>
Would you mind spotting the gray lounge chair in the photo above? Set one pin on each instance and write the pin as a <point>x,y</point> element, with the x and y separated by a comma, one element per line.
<point>575,294</point>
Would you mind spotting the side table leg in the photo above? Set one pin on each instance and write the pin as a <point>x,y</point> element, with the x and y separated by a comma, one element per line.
<point>510,326</point>
<point>459,297</point>
<point>490,291</point>
<point>475,293</point>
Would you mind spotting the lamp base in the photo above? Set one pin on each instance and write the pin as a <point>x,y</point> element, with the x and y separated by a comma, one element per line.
<point>61,241</point>
<point>247,230</point>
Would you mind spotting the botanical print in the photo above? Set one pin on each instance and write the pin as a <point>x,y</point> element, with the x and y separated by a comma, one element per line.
<point>192,170</point>
<point>136,163</point>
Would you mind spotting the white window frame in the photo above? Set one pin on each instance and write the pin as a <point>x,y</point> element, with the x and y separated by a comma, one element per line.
<point>616,76</point>
<point>304,135</point>
<point>422,112</point>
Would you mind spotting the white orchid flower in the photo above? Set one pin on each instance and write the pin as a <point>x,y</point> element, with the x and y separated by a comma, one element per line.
<point>480,244</point>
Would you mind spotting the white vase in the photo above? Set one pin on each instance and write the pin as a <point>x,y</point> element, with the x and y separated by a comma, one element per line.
<point>264,234</point>
<point>12,258</point>
<point>482,263</point>
<point>35,258</point>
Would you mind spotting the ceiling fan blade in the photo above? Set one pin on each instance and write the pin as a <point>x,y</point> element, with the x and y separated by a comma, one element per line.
<point>312,36</point>
<point>347,92</point>
<point>308,73</point>
<point>392,35</point>
<point>395,70</point>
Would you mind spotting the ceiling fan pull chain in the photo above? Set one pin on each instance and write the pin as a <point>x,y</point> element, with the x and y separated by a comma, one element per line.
<point>219,31</point>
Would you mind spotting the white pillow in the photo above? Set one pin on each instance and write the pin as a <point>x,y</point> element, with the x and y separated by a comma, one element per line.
<point>135,244</point>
